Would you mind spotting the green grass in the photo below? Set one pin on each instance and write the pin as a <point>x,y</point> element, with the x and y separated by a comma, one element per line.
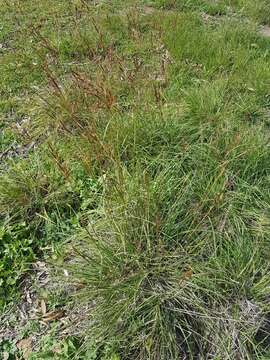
<point>258,11</point>
<point>149,181</point>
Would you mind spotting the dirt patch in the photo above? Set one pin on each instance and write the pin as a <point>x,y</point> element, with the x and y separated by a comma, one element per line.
<point>210,18</point>
<point>32,313</point>
<point>16,318</point>
<point>148,10</point>
<point>16,150</point>
<point>265,31</point>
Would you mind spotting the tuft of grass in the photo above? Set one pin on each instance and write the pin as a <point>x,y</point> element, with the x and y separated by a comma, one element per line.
<point>167,280</point>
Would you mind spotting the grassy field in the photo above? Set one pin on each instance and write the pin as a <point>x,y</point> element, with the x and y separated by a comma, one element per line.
<point>135,179</point>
